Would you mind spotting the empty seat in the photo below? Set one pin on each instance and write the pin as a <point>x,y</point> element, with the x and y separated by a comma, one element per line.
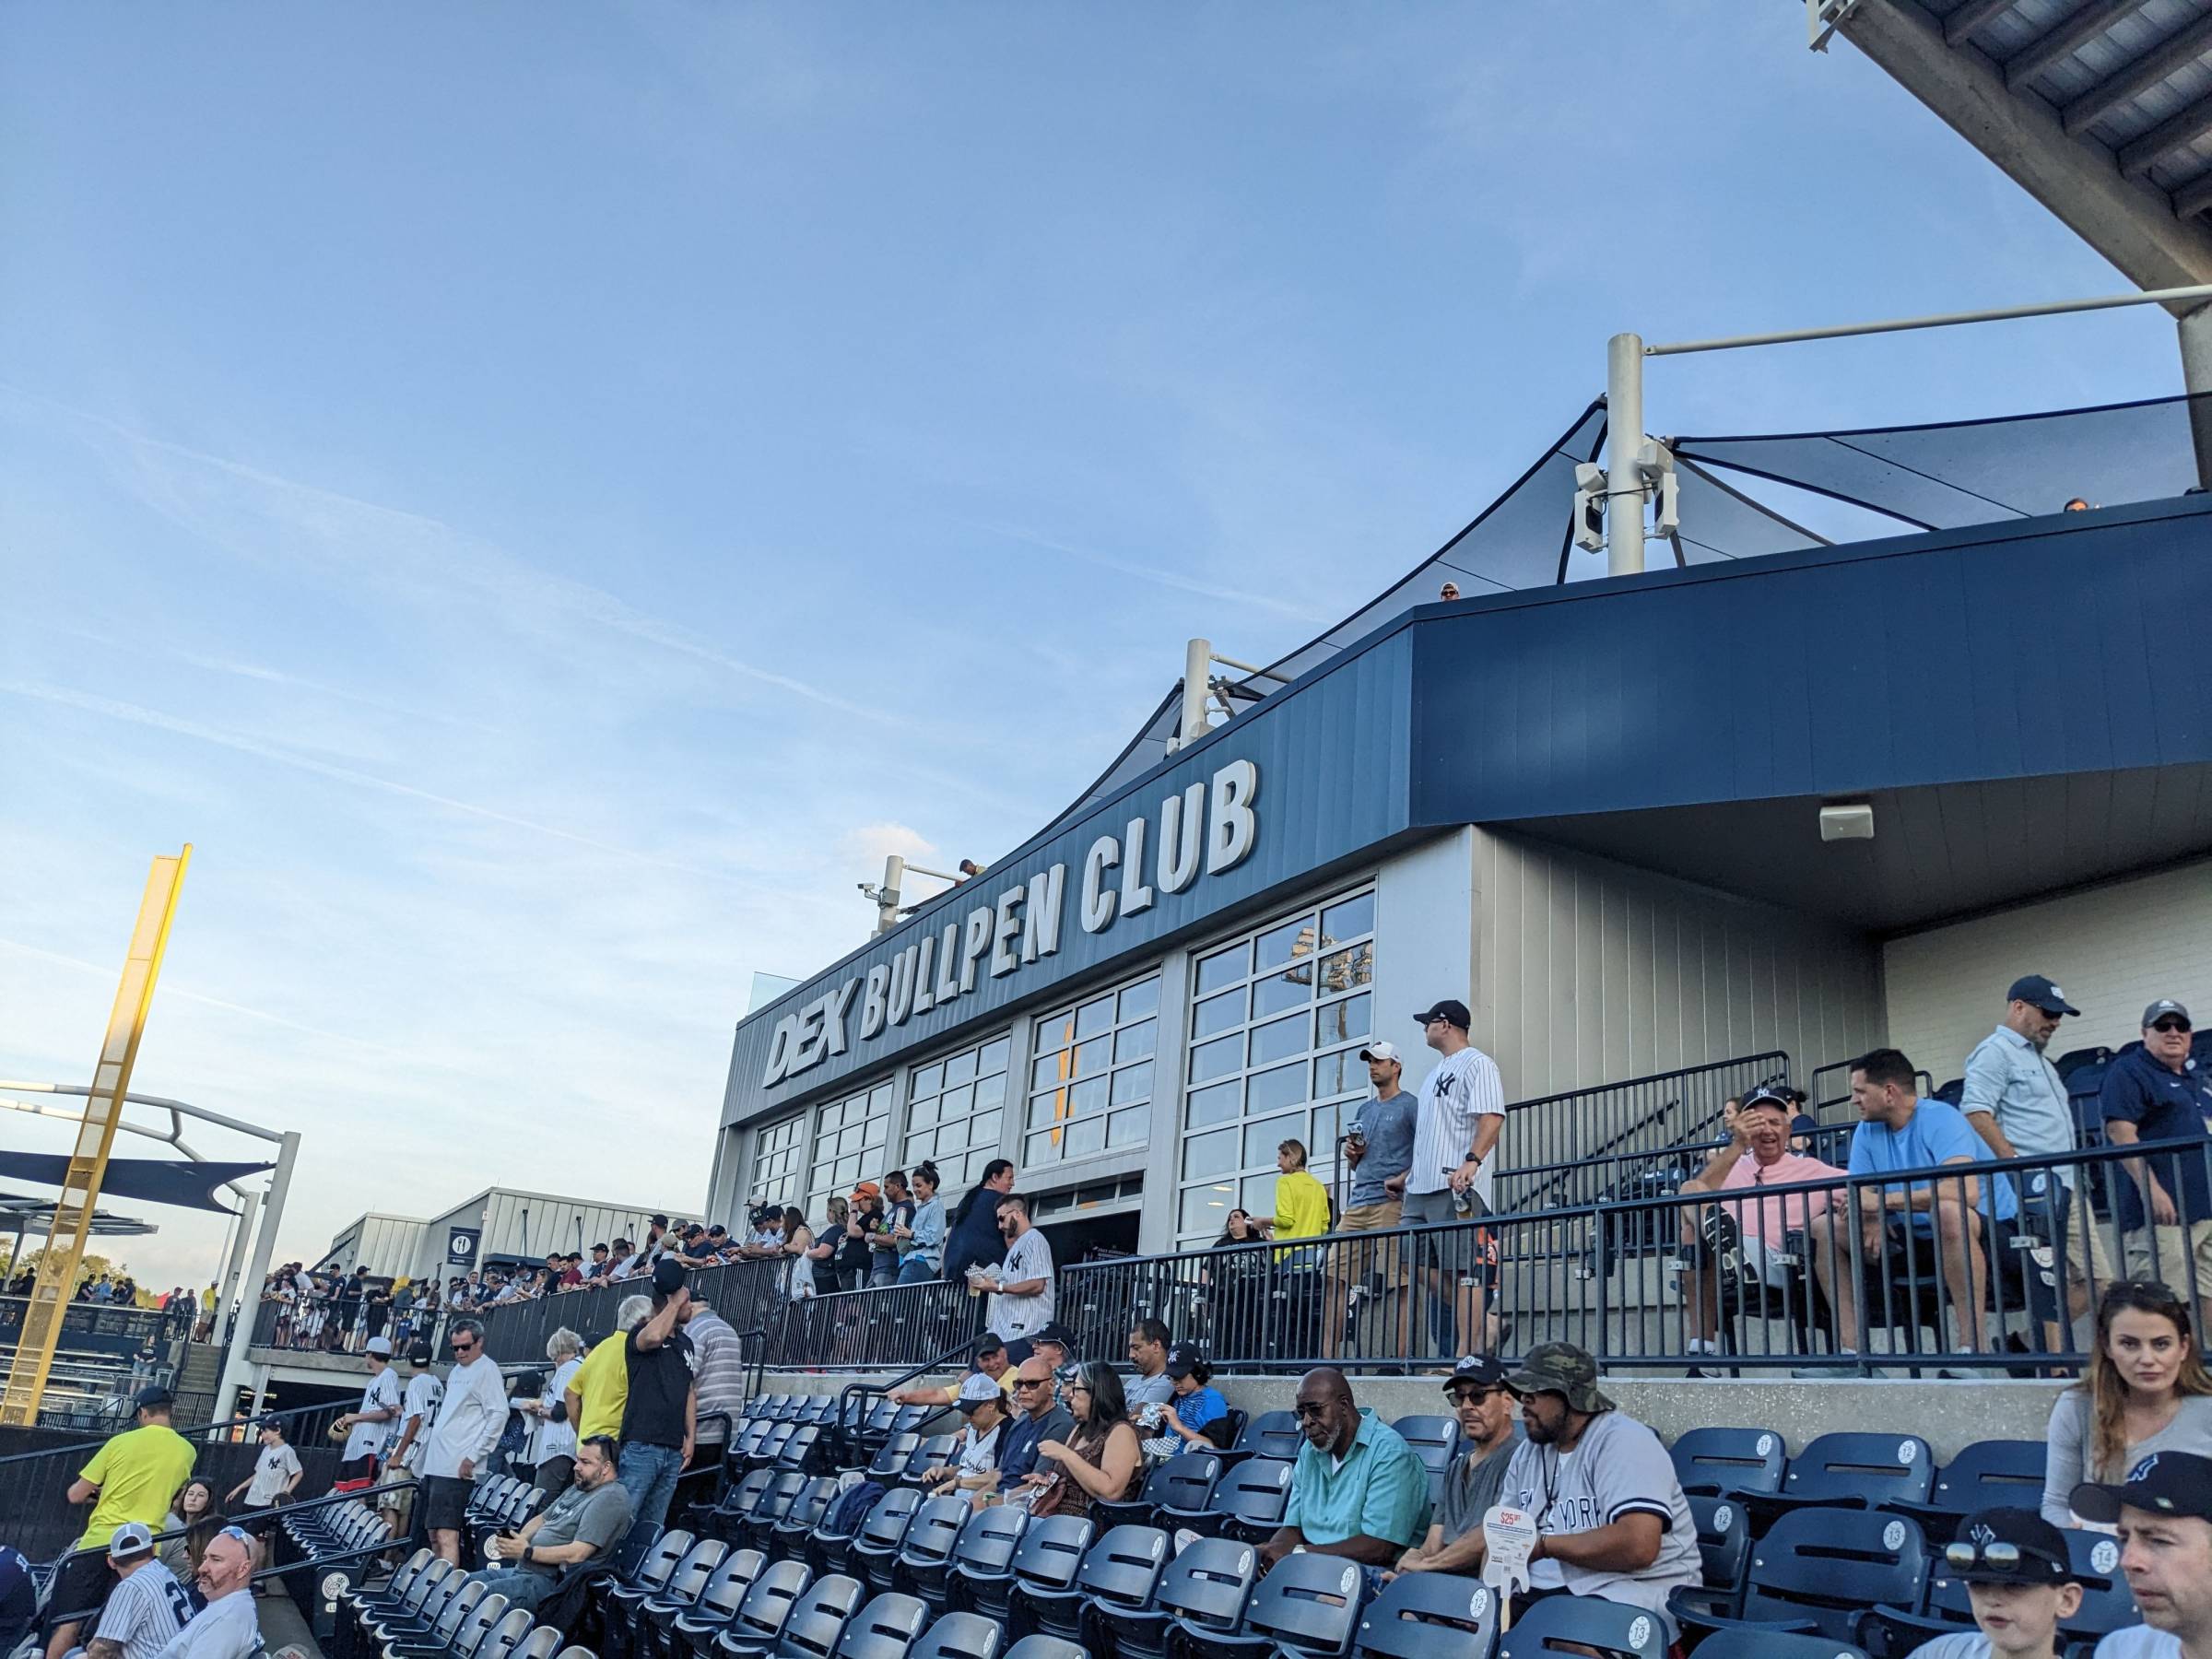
<point>1043,1595</point>
<point>875,1549</point>
<point>1045,1647</point>
<point>652,1619</point>
<point>1306,1605</point>
<point>980,1574</point>
<point>891,1457</point>
<point>1725,1554</point>
<point>1772,1645</point>
<point>924,1554</point>
<point>960,1636</point>
<point>789,1535</point>
<point>1119,1577</point>
<point>1429,1616</point>
<point>756,1525</point>
<point>1183,1483</point>
<point>930,1456</point>
<point>619,1603</point>
<point>1849,1471</point>
<point>1573,1624</point>
<point>1271,1434</point>
<point>1247,1502</point>
<point>1820,1568</point>
<point>886,1628</point>
<point>542,1643</point>
<point>1435,1440</point>
<point>1203,1594</point>
<point>752,1630</point>
<point>693,1630</point>
<point>505,1639</point>
<point>819,1618</point>
<point>1986,1474</point>
<point>1718,1461</point>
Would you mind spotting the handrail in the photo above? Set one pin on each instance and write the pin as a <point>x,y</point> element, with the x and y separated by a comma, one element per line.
<point>845,1434</point>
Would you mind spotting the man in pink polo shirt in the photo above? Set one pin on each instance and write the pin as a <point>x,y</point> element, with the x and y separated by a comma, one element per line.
<point>1758,1155</point>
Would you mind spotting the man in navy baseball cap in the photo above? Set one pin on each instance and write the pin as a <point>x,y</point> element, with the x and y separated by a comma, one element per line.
<point>2164,1513</point>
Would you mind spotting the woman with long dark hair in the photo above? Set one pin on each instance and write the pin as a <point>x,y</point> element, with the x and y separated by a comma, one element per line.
<point>921,1241</point>
<point>2146,1392</point>
<point>1101,1460</point>
<point>195,1517</point>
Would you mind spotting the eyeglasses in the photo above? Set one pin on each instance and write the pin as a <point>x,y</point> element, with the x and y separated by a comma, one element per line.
<point>2169,1025</point>
<point>1308,1409</point>
<point>1462,1396</point>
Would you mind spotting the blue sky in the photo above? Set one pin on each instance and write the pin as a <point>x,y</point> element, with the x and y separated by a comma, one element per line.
<point>545,497</point>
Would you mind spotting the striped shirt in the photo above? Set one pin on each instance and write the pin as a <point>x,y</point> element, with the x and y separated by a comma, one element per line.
<point>1463,1087</point>
<point>718,1368</point>
<point>144,1612</point>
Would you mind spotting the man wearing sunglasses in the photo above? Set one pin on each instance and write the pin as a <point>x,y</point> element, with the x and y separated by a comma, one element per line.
<point>2019,1582</point>
<point>1039,1416</point>
<point>471,1417</point>
<point>228,1627</point>
<point>2154,1093</point>
<point>1488,1433</point>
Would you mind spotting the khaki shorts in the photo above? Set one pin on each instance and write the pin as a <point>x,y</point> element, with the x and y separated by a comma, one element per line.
<point>1349,1263</point>
<point>2174,1246</point>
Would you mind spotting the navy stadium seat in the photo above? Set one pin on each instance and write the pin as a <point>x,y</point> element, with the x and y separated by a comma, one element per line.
<point>886,1627</point>
<point>1429,1616</point>
<point>1986,1474</point>
<point>1306,1605</point>
<point>1045,1647</point>
<point>1183,1483</point>
<point>1770,1644</point>
<point>1202,1595</point>
<point>960,1636</point>
<point>1716,1462</point>
<point>1820,1568</point>
<point>1247,1503</point>
<point>1044,1597</point>
<point>818,1618</point>
<point>1850,1471</point>
<point>1724,1551</point>
<point>982,1571</point>
<point>875,1550</point>
<point>926,1552</point>
<point>752,1630</point>
<point>1435,1440</point>
<point>693,1631</point>
<point>1570,1624</point>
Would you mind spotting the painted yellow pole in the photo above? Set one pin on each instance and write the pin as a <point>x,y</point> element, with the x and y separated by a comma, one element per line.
<point>72,1225</point>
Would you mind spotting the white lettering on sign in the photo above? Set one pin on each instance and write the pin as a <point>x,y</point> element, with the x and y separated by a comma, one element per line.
<point>1208,828</point>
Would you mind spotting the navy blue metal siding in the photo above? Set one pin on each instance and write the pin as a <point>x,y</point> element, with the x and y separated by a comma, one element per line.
<point>1332,757</point>
<point>2076,645</point>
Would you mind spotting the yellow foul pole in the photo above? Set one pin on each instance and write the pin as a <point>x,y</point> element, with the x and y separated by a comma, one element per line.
<point>65,1250</point>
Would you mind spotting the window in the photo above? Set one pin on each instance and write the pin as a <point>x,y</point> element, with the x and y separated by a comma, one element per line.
<point>1278,1018</point>
<point>848,1146</point>
<point>954,1108</point>
<point>776,1160</point>
<point>1090,1080</point>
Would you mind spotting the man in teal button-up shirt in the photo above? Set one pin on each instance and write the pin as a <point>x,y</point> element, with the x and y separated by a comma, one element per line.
<point>1358,1489</point>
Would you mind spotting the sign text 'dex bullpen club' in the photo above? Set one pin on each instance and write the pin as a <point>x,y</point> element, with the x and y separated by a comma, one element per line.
<point>1206,828</point>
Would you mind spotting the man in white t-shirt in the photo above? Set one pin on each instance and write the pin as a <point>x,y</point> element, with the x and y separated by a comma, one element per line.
<point>148,1606</point>
<point>471,1417</point>
<point>2164,1513</point>
<point>228,1627</point>
<point>370,1429</point>
<point>1023,1282</point>
<point>1456,1122</point>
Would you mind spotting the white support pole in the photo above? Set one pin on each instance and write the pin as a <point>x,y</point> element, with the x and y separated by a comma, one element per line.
<point>238,1364</point>
<point>887,896</point>
<point>2196,331</point>
<point>1198,673</point>
<point>1624,439</point>
<point>234,1262</point>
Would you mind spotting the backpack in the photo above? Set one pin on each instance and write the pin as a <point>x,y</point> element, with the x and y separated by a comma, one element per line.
<point>851,1508</point>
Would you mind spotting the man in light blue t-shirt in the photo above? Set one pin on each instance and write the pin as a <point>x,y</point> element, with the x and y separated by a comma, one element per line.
<point>1897,1132</point>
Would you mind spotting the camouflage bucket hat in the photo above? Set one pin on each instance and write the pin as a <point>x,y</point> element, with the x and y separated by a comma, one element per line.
<point>1561,1368</point>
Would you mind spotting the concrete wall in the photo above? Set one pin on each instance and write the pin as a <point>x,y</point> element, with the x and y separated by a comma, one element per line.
<point>1588,971</point>
<point>2112,949</point>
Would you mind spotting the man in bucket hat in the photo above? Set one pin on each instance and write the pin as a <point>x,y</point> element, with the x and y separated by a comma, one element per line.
<point>1611,1517</point>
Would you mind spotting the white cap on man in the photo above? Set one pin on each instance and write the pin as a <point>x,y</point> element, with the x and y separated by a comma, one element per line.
<point>1382,1051</point>
<point>378,1346</point>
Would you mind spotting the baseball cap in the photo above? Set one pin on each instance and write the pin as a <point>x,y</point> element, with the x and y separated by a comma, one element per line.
<point>1765,1094</point>
<point>1561,1368</point>
<point>2040,992</point>
<point>1479,1368</point>
<point>2009,1546</point>
<point>380,1346</point>
<point>1056,1332</point>
<point>1455,1013</point>
<point>2164,1007</point>
<point>977,1390</point>
<point>1382,1051</point>
<point>2165,1483</point>
<point>147,1399</point>
<point>657,1220</point>
<point>129,1539</point>
<point>867,1189</point>
<point>420,1354</point>
<point>668,1275</point>
<point>1182,1359</point>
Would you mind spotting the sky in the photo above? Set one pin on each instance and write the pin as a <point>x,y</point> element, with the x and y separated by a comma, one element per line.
<point>544,499</point>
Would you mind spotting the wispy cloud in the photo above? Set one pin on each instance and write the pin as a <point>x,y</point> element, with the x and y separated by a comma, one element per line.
<point>1177,580</point>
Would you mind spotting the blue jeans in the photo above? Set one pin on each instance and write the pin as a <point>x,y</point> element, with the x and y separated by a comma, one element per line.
<point>915,1271</point>
<point>648,1474</point>
<point>523,1586</point>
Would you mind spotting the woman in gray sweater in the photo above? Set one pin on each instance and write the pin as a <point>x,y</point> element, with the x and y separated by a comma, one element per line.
<point>2146,1392</point>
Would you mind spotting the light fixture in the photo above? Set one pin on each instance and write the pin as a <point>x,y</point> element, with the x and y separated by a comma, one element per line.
<point>1854,822</point>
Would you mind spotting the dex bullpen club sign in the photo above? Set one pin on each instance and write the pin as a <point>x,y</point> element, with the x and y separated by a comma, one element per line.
<point>1202,831</point>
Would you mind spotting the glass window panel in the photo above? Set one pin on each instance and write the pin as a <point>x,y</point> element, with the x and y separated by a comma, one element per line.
<point>1280,991</point>
<point>1128,1128</point>
<point>1040,1150</point>
<point>1217,1059</point>
<point>1133,1042</point>
<point>1095,1016</point>
<point>879,1098</point>
<point>1273,1041</point>
<point>848,1173</point>
<point>1087,1097</point>
<point>1205,1209</point>
<point>953,1136</point>
<point>1261,1138</point>
<point>1140,1000</point>
<point>1214,1154</point>
<point>1047,1070</point>
<point>1258,1194</point>
<point>1321,1142</point>
<point>985,1130</point>
<point>927,1081</point>
<point>1348,920</point>
<point>1224,968</point>
<point>1339,1073</point>
<point>1286,943</point>
<point>920,1146</point>
<point>956,1103</point>
<point>1133,1083</point>
<point>1085,1136</point>
<point>961,1068</point>
<point>1215,1105</point>
<point>1056,1030</point>
<point>1092,1057</point>
<point>1348,969</point>
<point>992,1058</point>
<point>1217,1014</point>
<point>877,1133</point>
<point>1271,1091</point>
<point>848,1140</point>
<point>990,1091</point>
<point>1342,1021</point>
<point>1044,1109</point>
<point>921,1114</point>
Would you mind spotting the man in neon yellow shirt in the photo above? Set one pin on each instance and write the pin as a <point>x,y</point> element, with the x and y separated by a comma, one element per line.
<point>1301,1203</point>
<point>599,1391</point>
<point>132,1477</point>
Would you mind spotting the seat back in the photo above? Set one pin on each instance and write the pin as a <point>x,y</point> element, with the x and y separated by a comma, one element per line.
<point>778,1438</point>
<point>455,1614</point>
<point>884,1526</point>
<point>776,1498</point>
<point>931,1456</point>
<point>1991,1474</point>
<point>541,1643</point>
<point>1720,1461</point>
<point>893,1456</point>
<point>416,1588</point>
<point>933,1531</point>
<point>1209,1583</point>
<point>1184,1482</point>
<point>1255,1491</point>
<point>886,1627</point>
<point>1724,1541</point>
<point>767,1603</point>
<point>795,1451</point>
<point>960,1636</point>
<point>488,1612</point>
<point>727,1587</point>
<point>506,1636</point>
<point>1774,1644</point>
<point>746,1492</point>
<point>1042,1646</point>
<point>1871,1469</point>
<point>818,1618</point>
<point>659,1565</point>
<point>1271,1434</point>
<point>1429,1616</point>
<point>987,1541</point>
<point>697,1567</point>
<point>2107,1603</point>
<point>1122,1568</point>
<point>637,1544</point>
<point>1308,1604</point>
<point>1050,1552</point>
<point>1572,1624</point>
<point>807,1510</point>
<point>1434,1440</point>
<point>1830,1564</point>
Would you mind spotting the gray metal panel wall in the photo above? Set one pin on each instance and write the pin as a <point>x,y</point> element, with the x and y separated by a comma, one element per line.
<point>1589,972</point>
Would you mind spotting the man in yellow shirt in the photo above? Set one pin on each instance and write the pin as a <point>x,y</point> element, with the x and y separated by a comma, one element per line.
<point>599,1391</point>
<point>1301,1203</point>
<point>133,1477</point>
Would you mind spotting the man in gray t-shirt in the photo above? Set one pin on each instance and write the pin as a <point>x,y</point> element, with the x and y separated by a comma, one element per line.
<point>1379,1149</point>
<point>585,1523</point>
<point>1487,1430</point>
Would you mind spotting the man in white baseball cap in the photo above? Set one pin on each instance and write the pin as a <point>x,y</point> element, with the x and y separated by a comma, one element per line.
<point>148,1606</point>
<point>370,1429</point>
<point>1378,1148</point>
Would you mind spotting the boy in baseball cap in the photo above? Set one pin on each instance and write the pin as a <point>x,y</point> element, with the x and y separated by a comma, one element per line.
<point>2016,1570</point>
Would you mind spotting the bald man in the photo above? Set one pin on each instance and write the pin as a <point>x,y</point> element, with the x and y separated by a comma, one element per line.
<point>1358,1489</point>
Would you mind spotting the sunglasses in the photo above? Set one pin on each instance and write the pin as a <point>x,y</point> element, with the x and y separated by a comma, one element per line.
<point>238,1532</point>
<point>2169,1025</point>
<point>1306,1408</point>
<point>1965,1554</point>
<point>1030,1382</point>
<point>1460,1396</point>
